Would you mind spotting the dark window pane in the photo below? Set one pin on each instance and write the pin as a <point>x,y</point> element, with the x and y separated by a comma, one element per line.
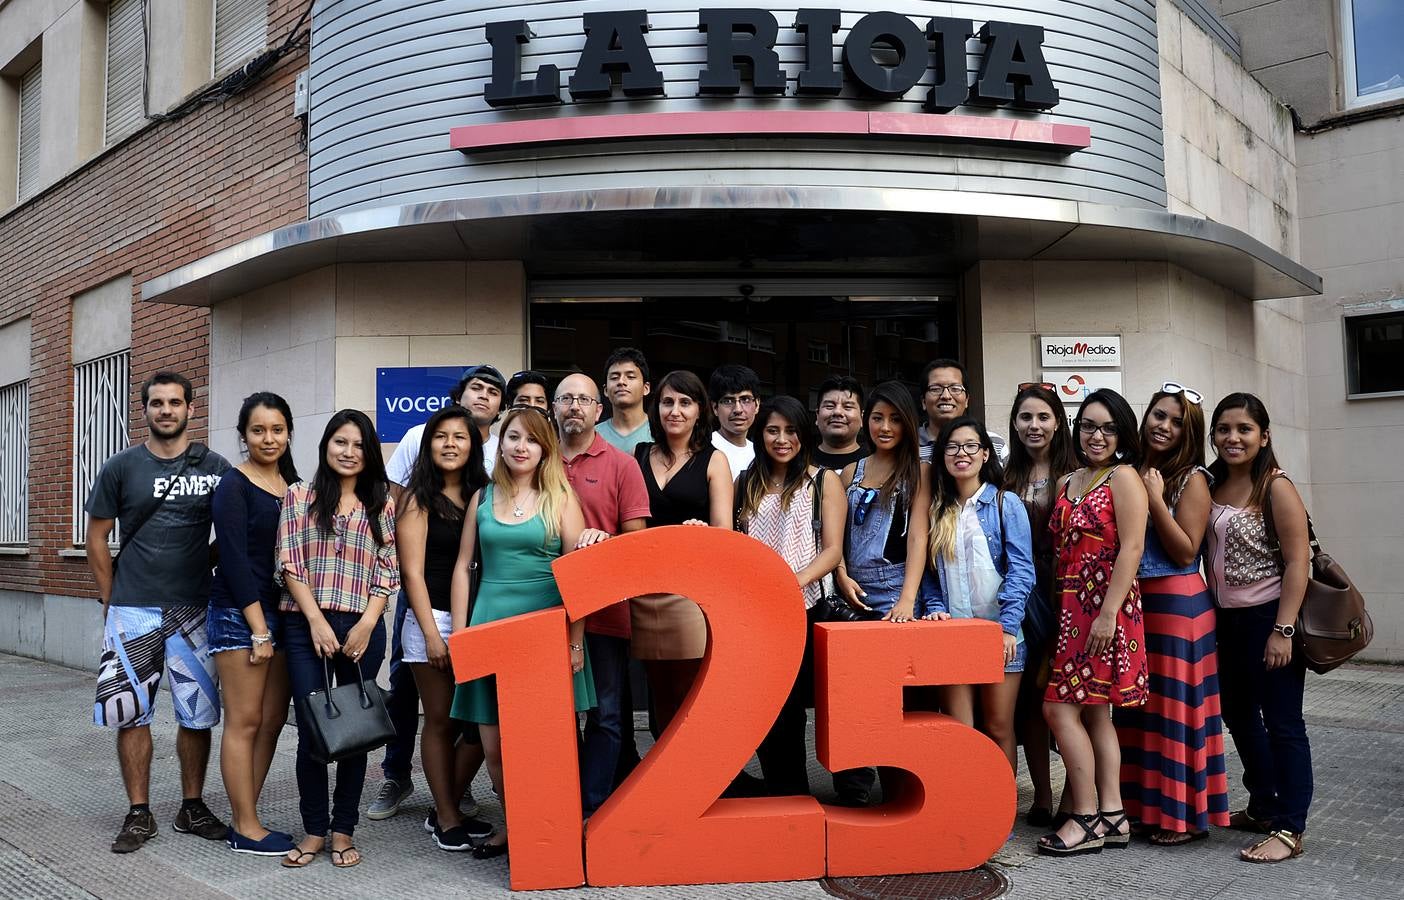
<point>1377,353</point>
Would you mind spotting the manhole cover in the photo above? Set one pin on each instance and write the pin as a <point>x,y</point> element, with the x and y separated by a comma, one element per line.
<point>976,884</point>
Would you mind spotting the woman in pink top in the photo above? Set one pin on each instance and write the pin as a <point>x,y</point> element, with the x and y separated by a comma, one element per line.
<point>1261,679</point>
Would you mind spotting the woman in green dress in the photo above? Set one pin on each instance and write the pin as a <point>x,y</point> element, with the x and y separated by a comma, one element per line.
<point>524,519</point>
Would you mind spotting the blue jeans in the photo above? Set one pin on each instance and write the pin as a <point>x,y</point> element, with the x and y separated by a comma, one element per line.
<point>609,726</point>
<point>305,675</point>
<point>403,703</point>
<point>1263,711</point>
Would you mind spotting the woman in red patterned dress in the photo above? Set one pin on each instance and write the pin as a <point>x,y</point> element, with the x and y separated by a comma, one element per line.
<point>1099,661</point>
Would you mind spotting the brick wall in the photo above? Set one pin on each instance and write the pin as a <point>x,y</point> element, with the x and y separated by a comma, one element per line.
<point>172,193</point>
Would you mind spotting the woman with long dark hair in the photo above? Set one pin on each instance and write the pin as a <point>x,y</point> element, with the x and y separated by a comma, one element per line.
<point>447,473</point>
<point>1040,454</point>
<point>688,484</point>
<point>1260,676</point>
<point>982,553</point>
<point>1173,779</point>
<point>525,519</point>
<point>244,624</point>
<point>336,553</point>
<point>1099,526</point>
<point>780,499</point>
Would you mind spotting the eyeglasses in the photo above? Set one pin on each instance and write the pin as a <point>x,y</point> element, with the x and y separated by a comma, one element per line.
<point>743,402</point>
<point>865,502</point>
<point>969,448</point>
<point>1087,426</point>
<point>1174,387</point>
<point>936,390</point>
<point>1025,385</point>
<point>566,401</point>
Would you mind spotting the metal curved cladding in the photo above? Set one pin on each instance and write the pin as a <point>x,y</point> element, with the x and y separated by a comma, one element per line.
<point>390,78</point>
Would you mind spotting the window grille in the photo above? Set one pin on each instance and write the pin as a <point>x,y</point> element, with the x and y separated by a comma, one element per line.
<point>14,463</point>
<point>240,31</point>
<point>29,114</point>
<point>99,427</point>
<point>126,70</point>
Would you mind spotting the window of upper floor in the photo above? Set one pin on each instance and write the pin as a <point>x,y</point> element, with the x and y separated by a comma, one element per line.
<point>1372,51</point>
<point>240,31</point>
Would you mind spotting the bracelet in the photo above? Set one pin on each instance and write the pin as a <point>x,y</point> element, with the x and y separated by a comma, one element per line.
<point>577,648</point>
<point>260,639</point>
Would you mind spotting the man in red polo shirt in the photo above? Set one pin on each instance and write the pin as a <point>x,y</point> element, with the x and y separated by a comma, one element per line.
<point>614,500</point>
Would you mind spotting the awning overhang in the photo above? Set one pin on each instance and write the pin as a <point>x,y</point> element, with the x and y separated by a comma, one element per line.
<point>807,230</point>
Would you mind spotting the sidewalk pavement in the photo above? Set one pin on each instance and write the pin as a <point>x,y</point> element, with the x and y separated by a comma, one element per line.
<point>61,802</point>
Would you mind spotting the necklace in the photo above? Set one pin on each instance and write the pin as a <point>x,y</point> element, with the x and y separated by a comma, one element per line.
<point>518,510</point>
<point>263,483</point>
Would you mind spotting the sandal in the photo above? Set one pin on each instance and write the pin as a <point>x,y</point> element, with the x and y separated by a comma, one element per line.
<point>1242,821</point>
<point>1292,840</point>
<point>338,857</point>
<point>1167,838</point>
<point>303,858</point>
<point>1092,842</point>
<point>1115,838</point>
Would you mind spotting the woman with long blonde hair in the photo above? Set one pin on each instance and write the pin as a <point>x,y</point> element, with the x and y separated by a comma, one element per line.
<point>526,518</point>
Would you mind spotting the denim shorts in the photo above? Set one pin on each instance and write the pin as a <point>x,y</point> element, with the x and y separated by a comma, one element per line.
<point>227,629</point>
<point>1021,658</point>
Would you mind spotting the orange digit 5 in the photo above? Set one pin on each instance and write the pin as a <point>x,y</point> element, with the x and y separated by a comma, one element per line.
<point>665,825</point>
<point>530,656</point>
<point>955,808</point>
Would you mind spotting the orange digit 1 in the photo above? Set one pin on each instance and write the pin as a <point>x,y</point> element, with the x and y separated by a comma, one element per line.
<point>955,808</point>
<point>530,656</point>
<point>665,825</point>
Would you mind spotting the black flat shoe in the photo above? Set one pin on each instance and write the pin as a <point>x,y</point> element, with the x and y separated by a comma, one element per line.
<point>1039,816</point>
<point>489,851</point>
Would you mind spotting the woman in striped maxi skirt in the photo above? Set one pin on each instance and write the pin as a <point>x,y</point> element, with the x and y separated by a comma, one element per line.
<point>1172,771</point>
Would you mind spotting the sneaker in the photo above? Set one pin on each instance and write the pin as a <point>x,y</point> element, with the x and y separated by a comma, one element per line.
<point>455,839</point>
<point>478,830</point>
<point>137,828</point>
<point>197,819</point>
<point>387,802</point>
<point>274,844</point>
<point>468,805</point>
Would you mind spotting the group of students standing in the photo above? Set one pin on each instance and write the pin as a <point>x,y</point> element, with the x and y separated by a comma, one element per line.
<point>1085,545</point>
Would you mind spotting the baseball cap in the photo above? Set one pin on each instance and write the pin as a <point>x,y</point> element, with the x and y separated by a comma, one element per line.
<point>487,373</point>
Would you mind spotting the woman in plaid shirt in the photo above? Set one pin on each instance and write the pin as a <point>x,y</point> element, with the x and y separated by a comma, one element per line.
<point>337,565</point>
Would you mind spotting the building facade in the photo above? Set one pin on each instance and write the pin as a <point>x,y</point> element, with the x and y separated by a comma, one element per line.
<point>853,187</point>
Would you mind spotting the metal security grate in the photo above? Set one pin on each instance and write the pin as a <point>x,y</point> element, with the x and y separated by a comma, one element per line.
<point>126,70</point>
<point>31,86</point>
<point>99,426</point>
<point>976,884</point>
<point>14,463</point>
<point>240,31</point>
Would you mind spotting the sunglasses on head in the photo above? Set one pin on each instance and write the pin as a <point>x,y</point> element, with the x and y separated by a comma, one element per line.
<point>1174,387</point>
<point>1025,385</point>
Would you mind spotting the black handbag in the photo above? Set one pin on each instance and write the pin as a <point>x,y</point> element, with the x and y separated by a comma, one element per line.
<point>346,720</point>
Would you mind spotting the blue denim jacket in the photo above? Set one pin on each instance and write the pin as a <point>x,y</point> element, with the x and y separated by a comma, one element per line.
<point>1155,562</point>
<point>1013,559</point>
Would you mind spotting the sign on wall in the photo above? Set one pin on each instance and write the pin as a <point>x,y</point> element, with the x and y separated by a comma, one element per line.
<point>1073,385</point>
<point>1080,350</point>
<point>406,396</point>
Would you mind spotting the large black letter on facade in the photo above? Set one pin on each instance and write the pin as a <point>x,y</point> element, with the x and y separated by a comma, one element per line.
<point>734,35</point>
<point>885,28</point>
<point>952,85</point>
<point>506,87</point>
<point>601,58</point>
<point>1013,70</point>
<point>818,77</point>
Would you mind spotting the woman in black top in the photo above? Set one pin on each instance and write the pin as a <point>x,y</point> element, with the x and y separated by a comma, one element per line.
<point>688,484</point>
<point>448,471</point>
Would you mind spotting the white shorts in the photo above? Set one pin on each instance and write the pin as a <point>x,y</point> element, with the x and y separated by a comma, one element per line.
<point>412,637</point>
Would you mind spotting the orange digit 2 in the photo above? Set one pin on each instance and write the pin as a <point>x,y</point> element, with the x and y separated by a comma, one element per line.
<point>665,825</point>
<point>530,656</point>
<point>956,806</point>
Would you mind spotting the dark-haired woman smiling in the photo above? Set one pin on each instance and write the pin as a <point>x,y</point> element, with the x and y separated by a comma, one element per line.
<point>1099,526</point>
<point>1261,678</point>
<point>244,625</point>
<point>336,546</point>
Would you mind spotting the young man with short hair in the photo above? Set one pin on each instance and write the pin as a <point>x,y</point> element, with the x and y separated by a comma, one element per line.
<point>479,390</point>
<point>154,601</point>
<point>733,391</point>
<point>528,388</point>
<point>840,423</point>
<point>945,398</point>
<point>614,500</point>
<point>626,382</point>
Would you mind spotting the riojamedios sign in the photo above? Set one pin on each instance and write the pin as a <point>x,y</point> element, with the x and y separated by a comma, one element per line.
<point>740,43</point>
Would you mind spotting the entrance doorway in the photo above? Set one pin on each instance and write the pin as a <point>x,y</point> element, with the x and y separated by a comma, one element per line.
<point>793,334</point>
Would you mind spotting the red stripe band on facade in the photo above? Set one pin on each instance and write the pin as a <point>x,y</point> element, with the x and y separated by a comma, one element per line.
<point>569,129</point>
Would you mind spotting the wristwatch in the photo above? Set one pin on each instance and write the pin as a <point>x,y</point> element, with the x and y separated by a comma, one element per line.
<point>1285,630</point>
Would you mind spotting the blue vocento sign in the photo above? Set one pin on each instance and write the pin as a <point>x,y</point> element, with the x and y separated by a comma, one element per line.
<point>406,396</point>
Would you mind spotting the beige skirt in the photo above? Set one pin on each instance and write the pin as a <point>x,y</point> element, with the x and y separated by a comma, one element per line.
<point>666,626</point>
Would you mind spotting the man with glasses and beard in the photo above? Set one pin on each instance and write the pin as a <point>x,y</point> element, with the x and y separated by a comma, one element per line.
<point>154,604</point>
<point>613,498</point>
<point>946,398</point>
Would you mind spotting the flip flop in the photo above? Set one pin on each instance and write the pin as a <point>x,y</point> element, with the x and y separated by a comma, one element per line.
<point>303,859</point>
<point>1176,838</point>
<point>338,857</point>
